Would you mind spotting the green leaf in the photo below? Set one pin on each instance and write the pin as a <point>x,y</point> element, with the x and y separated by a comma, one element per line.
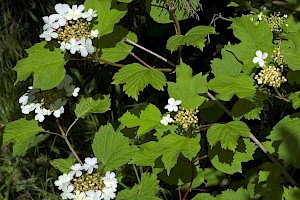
<point>120,51</point>
<point>292,58</point>
<point>227,66</point>
<point>89,105</point>
<point>148,119</point>
<point>295,97</point>
<point>146,156</point>
<point>22,133</point>
<point>136,78</point>
<point>188,87</point>
<point>204,196</point>
<point>63,165</point>
<point>291,193</point>
<point>227,134</point>
<point>106,17</point>
<point>146,189</point>
<point>253,37</point>
<point>172,145</point>
<point>194,37</point>
<point>111,147</point>
<point>47,66</point>
<point>287,131</point>
<point>160,12</point>
<point>229,194</point>
<point>230,162</point>
<point>227,86</point>
<point>213,177</point>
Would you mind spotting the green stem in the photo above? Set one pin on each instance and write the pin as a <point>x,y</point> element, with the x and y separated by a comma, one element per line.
<point>136,173</point>
<point>280,96</point>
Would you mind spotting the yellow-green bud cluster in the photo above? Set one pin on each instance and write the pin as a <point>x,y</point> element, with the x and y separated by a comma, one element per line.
<point>271,76</point>
<point>88,182</point>
<point>74,29</point>
<point>278,58</point>
<point>186,117</point>
<point>275,21</point>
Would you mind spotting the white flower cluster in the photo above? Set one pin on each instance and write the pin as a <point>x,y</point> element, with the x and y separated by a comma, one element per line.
<point>70,26</point>
<point>270,75</point>
<point>87,185</point>
<point>33,100</point>
<point>172,106</point>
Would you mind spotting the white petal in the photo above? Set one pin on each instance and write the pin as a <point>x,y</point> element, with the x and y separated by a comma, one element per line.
<point>261,63</point>
<point>264,56</point>
<point>258,53</point>
<point>256,60</point>
<point>171,101</point>
<point>177,102</point>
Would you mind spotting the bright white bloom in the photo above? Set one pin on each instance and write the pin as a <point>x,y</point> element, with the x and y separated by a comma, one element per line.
<point>26,109</point>
<point>39,117</point>
<point>90,164</point>
<point>75,12</point>
<point>108,193</point>
<point>86,47</point>
<point>58,112</point>
<point>285,15</point>
<point>76,169</point>
<point>63,181</point>
<point>23,99</point>
<point>89,14</point>
<point>63,46</point>
<point>166,120</point>
<point>79,195</point>
<point>72,45</point>
<point>49,34</point>
<point>92,194</point>
<point>62,9</point>
<point>110,181</point>
<point>260,16</point>
<point>75,92</point>
<point>50,22</point>
<point>67,194</point>
<point>260,57</point>
<point>173,105</point>
<point>94,33</point>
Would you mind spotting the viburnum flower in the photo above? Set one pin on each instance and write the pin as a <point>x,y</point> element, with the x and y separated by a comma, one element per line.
<point>260,57</point>
<point>62,10</point>
<point>63,181</point>
<point>49,34</point>
<point>94,33</point>
<point>76,169</point>
<point>72,45</point>
<point>173,105</point>
<point>67,194</point>
<point>50,22</point>
<point>89,14</point>
<point>86,47</point>
<point>75,12</point>
<point>166,120</point>
<point>58,112</point>
<point>90,164</point>
<point>94,194</point>
<point>75,92</point>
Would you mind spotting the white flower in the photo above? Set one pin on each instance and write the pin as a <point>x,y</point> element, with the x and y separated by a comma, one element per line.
<point>260,16</point>
<point>92,194</point>
<point>75,12</point>
<point>166,120</point>
<point>110,181</point>
<point>76,169</point>
<point>75,92</point>
<point>79,195</point>
<point>108,193</point>
<point>89,14</point>
<point>173,105</point>
<point>72,45</point>
<point>90,164</point>
<point>285,15</point>
<point>39,117</point>
<point>50,22</point>
<point>86,47</point>
<point>67,194</point>
<point>94,33</point>
<point>26,109</point>
<point>63,46</point>
<point>62,9</point>
<point>63,181</point>
<point>23,99</point>
<point>260,57</point>
<point>49,34</point>
<point>58,112</point>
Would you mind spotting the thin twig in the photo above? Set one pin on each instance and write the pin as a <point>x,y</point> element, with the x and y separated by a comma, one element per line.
<point>258,143</point>
<point>71,126</point>
<point>68,142</point>
<point>179,193</point>
<point>190,186</point>
<point>53,133</point>
<point>151,52</point>
<point>139,59</point>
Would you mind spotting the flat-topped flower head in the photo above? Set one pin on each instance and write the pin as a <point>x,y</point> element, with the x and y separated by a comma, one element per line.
<point>259,58</point>
<point>166,120</point>
<point>173,105</point>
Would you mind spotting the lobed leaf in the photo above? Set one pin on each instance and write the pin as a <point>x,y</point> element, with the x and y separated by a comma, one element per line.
<point>89,105</point>
<point>136,78</point>
<point>147,155</point>
<point>22,134</point>
<point>63,165</point>
<point>47,66</point>
<point>111,147</point>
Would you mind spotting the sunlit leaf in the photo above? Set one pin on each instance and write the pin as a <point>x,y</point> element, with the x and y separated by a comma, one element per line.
<point>63,165</point>
<point>89,105</point>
